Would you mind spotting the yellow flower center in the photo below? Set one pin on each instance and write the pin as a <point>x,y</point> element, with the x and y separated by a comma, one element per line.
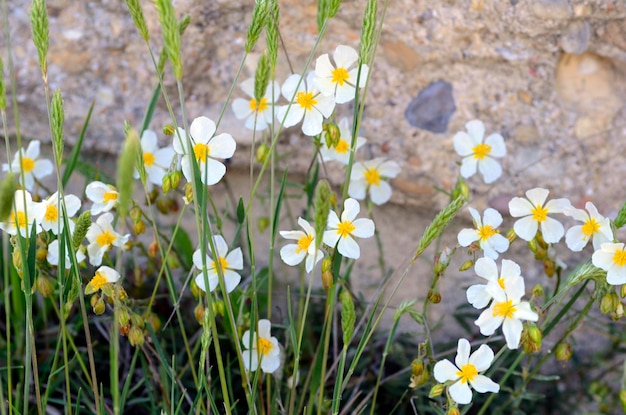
<point>306,100</point>
<point>28,164</point>
<point>52,213</point>
<point>619,258</point>
<point>467,373</point>
<point>345,228</point>
<point>106,238</point>
<point>97,282</point>
<point>303,243</point>
<point>540,213</point>
<point>481,151</point>
<point>148,159</point>
<point>342,147</point>
<point>109,196</point>
<point>201,151</point>
<point>19,218</point>
<point>372,176</point>
<point>504,309</point>
<point>258,106</point>
<point>223,264</point>
<point>590,227</point>
<point>264,346</point>
<point>501,282</point>
<point>340,75</point>
<point>485,232</point>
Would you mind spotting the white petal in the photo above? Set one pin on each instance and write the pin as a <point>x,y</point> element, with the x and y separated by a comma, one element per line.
<point>247,87</point>
<point>214,172</point>
<point>468,167</point>
<point>558,205</point>
<point>290,255</point>
<point>289,87</point>
<point>461,393</point>
<point>483,384</point>
<point>251,360</point>
<point>291,118</point>
<point>331,237</point>
<point>490,169</point>
<point>345,93</point>
<point>241,108</point>
<point>462,353</point>
<point>487,269</point>
<point>295,235</point>
<point>552,230</point>
<point>477,296</point>
<point>445,370</point>
<point>482,358</point>
<point>537,196</point>
<point>467,236</point>
<point>351,208</point>
<point>222,146</point>
<point>363,228</point>
<point>463,144</point>
<point>616,275</point>
<point>498,149</point>
<point>512,330</point>
<point>325,105</point>
<point>349,248</point>
<point>380,194</point>
<point>487,322</point>
<point>476,130</point>
<point>235,259</point>
<point>510,269</point>
<point>345,56</point>
<point>312,124</point>
<point>575,239</point>
<point>526,228</point>
<point>270,364</point>
<point>518,206</point>
<point>357,189</point>
<point>202,129</point>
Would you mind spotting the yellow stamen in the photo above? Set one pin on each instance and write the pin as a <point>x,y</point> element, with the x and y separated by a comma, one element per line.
<point>342,147</point>
<point>109,196</point>
<point>106,238</point>
<point>372,176</point>
<point>501,282</point>
<point>340,75</point>
<point>264,346</point>
<point>345,228</point>
<point>306,100</point>
<point>52,213</point>
<point>590,227</point>
<point>28,164</point>
<point>619,258</point>
<point>540,213</point>
<point>504,309</point>
<point>201,151</point>
<point>303,243</point>
<point>259,106</point>
<point>223,264</point>
<point>148,159</point>
<point>481,151</point>
<point>19,218</point>
<point>96,283</point>
<point>486,232</point>
<point>467,373</point>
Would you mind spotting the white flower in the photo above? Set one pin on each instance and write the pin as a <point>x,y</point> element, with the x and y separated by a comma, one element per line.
<point>258,115</point>
<point>104,275</point>
<point>370,176</point>
<point>341,151</point>
<point>52,212</point>
<point>54,252</point>
<point>229,263</point>
<point>102,237</point>
<point>534,212</point>
<point>479,154</point>
<point>29,163</point>
<point>206,148</point>
<point>486,233</point>
<point>24,214</point>
<point>340,80</point>
<point>595,227</point>
<point>466,372</point>
<point>293,254</point>
<point>104,197</point>
<point>477,295</point>
<point>261,346</point>
<point>341,233</point>
<point>308,103</point>
<point>506,310</point>
<point>156,161</point>
<point>611,257</point>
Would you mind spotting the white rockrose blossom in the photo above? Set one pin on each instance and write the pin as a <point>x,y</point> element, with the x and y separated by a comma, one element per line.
<point>28,164</point>
<point>611,257</point>
<point>24,215</point>
<point>466,371</point>
<point>371,177</point>
<point>534,212</point>
<point>506,310</point>
<point>340,80</point>
<point>341,233</point>
<point>102,237</point>
<point>104,275</point>
<point>341,151</point>
<point>308,104</point>
<point>54,253</point>
<point>479,154</point>
<point>261,347</point>
<point>486,233</point>
<point>595,227</point>
<point>52,219</point>
<point>156,161</point>
<point>303,249</point>
<point>257,114</point>
<point>230,262</point>
<point>104,197</point>
<point>486,268</point>
<point>207,148</point>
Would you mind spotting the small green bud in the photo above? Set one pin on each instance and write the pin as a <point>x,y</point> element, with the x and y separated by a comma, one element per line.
<point>136,336</point>
<point>263,223</point>
<point>332,135</point>
<point>166,183</point>
<point>41,255</point>
<point>467,265</point>
<point>609,303</point>
<point>419,373</point>
<point>511,235</point>
<point>436,390</point>
<point>99,306</point>
<point>262,153</point>
<point>175,177</point>
<point>154,321</point>
<point>135,214</point>
<point>531,338</point>
<point>532,245</point>
<point>189,192</point>
<point>123,316</point>
<point>434,296</point>
<point>328,281</point>
<point>199,313</point>
<point>461,189</point>
<point>169,130</point>
<point>454,410</point>
<point>563,352</point>
<point>45,286</point>
<point>622,290</point>
<point>549,267</point>
<point>538,291</point>
<point>218,307</point>
<point>137,320</point>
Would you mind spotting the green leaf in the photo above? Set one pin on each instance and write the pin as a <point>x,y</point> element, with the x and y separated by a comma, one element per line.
<point>70,164</point>
<point>241,211</point>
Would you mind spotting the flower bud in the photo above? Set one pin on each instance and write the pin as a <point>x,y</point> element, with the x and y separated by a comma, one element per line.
<point>163,205</point>
<point>263,223</point>
<point>137,320</point>
<point>436,390</point>
<point>262,153</point>
<point>189,192</point>
<point>609,303</point>
<point>218,307</point>
<point>419,373</point>
<point>154,321</point>
<point>467,265</point>
<point>45,286</point>
<point>461,190</point>
<point>153,249</point>
<point>195,291</point>
<point>619,312</point>
<point>549,267</point>
<point>328,281</point>
<point>123,316</point>
<point>41,254</point>
<point>152,195</point>
<point>169,130</point>
<point>135,214</point>
<point>99,306</point>
<point>175,177</point>
<point>172,261</point>
<point>17,261</point>
<point>538,291</point>
<point>454,410</point>
<point>434,296</point>
<point>139,228</point>
<point>135,336</point>
<point>94,299</point>
<point>332,135</point>
<point>532,245</point>
<point>563,352</point>
<point>199,313</point>
<point>531,339</point>
<point>622,290</point>
<point>166,183</point>
<point>511,235</point>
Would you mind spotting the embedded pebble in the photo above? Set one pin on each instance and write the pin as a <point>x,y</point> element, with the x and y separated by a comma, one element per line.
<point>552,9</point>
<point>432,108</point>
<point>575,38</point>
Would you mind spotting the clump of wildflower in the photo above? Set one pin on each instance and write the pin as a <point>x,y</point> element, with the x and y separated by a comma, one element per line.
<point>371,177</point>
<point>29,165</point>
<point>229,262</point>
<point>611,257</point>
<point>479,154</point>
<point>52,212</point>
<point>104,197</point>
<point>207,148</point>
<point>308,104</point>
<point>486,233</point>
<point>340,150</point>
<point>340,80</point>
<point>341,233</point>
<point>156,161</point>
<point>257,114</point>
<point>54,253</point>
<point>303,249</point>
<point>261,349</point>
<point>595,227</point>
<point>486,268</point>
<point>102,237</point>
<point>104,275</point>
<point>466,371</point>
<point>534,212</point>
<point>24,215</point>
